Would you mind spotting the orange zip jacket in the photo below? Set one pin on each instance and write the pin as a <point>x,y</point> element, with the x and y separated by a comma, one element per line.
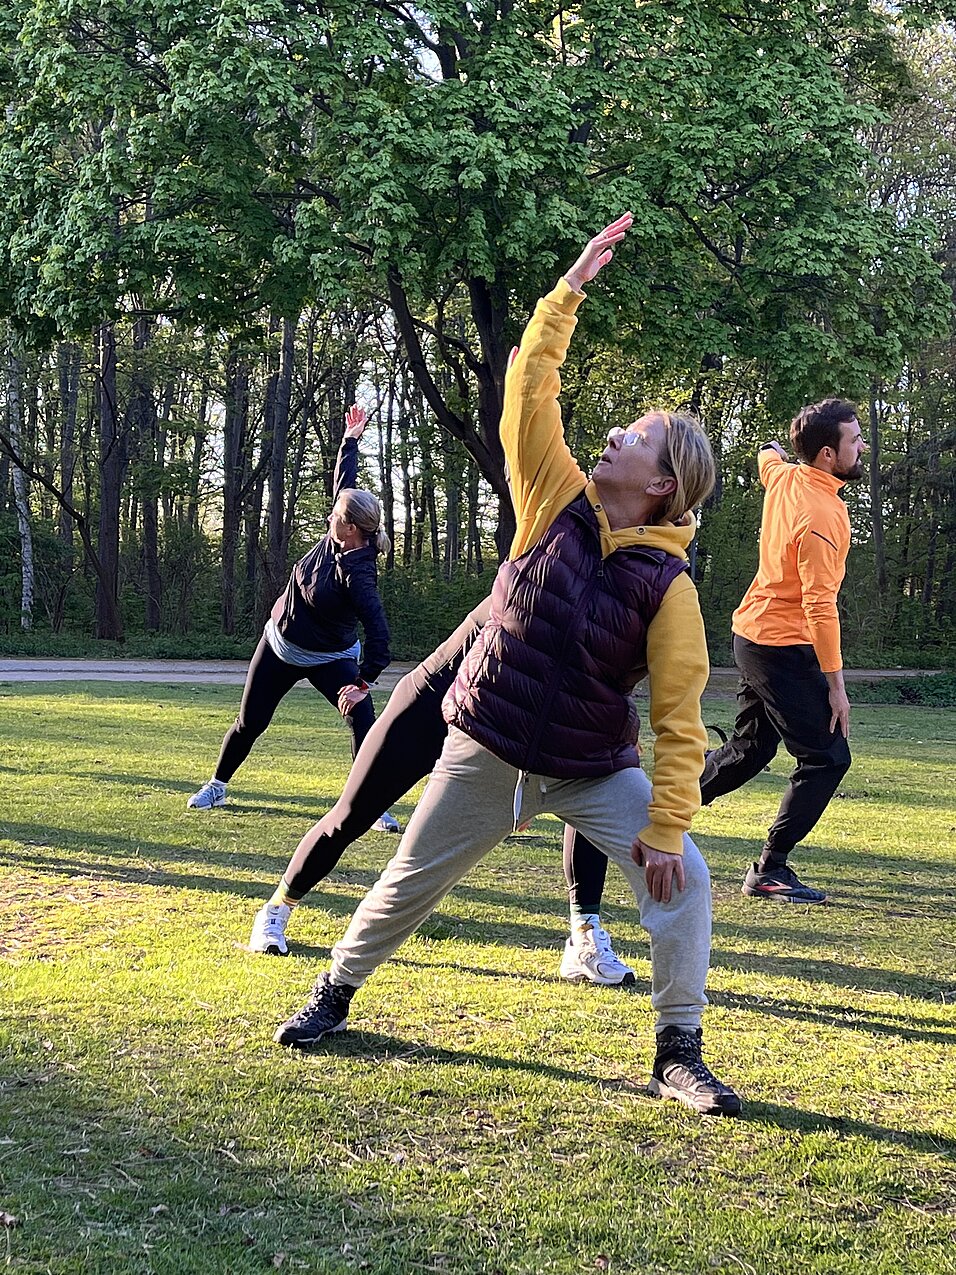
<point>804,541</point>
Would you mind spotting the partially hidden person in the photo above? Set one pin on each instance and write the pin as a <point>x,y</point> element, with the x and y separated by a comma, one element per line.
<point>312,632</point>
<point>397,753</point>
<point>786,636</point>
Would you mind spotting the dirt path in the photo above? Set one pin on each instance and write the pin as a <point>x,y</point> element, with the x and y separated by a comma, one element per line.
<point>233,672</point>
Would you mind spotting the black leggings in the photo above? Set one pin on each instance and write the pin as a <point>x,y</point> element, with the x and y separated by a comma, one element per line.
<point>399,751</point>
<point>267,681</point>
<point>782,696</point>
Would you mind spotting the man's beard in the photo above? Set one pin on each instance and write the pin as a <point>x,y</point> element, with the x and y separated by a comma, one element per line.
<point>851,475</point>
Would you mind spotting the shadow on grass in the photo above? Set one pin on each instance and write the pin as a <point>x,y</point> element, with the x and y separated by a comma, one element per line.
<point>375,1047</point>
<point>122,1156</point>
<point>912,1027</point>
<point>802,1121</point>
<point>123,853</point>
<point>446,925</point>
<point>189,786</point>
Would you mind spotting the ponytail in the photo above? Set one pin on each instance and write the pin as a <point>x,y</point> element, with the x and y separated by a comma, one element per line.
<point>363,510</point>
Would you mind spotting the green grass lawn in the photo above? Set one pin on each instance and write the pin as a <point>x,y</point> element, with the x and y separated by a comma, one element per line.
<point>481,1115</point>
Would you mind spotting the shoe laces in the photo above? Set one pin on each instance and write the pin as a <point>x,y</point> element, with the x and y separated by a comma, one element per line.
<point>602,944</point>
<point>784,874</point>
<point>319,1000</point>
<point>686,1052</point>
<point>325,992</point>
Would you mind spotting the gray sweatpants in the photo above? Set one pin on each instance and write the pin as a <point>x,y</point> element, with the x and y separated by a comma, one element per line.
<point>471,803</point>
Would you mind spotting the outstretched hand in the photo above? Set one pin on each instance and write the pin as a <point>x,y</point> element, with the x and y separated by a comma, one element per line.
<point>355,421</point>
<point>598,252</point>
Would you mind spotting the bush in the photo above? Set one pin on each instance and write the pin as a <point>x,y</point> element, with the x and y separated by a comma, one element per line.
<point>423,607</point>
<point>935,690</point>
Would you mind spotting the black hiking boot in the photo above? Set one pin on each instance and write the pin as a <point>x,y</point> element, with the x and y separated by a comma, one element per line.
<point>680,1072</point>
<point>326,1011</point>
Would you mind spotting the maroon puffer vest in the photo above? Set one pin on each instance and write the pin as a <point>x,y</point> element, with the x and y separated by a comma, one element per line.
<point>546,686</point>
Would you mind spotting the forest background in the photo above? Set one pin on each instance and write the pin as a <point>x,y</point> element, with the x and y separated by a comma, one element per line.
<point>223,220</point>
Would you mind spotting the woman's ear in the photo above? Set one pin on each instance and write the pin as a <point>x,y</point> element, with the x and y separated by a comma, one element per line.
<point>662,485</point>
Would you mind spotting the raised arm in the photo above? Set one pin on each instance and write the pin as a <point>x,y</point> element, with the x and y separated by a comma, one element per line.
<point>598,252</point>
<point>346,463</point>
<point>544,475</point>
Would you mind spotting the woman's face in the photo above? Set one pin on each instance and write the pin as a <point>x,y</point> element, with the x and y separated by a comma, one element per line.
<point>344,533</point>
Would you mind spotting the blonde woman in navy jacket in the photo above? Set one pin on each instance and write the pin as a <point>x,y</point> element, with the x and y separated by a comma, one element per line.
<point>312,632</point>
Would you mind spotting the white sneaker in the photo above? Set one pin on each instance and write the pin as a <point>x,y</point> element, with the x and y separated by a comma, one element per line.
<point>387,823</point>
<point>268,930</point>
<point>589,957</point>
<point>210,794</point>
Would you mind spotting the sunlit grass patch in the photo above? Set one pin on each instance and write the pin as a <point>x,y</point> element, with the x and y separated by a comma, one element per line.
<point>480,1115</point>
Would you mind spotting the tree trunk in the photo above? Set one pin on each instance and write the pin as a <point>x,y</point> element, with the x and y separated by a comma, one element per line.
<point>21,496</point>
<point>405,460</point>
<point>68,369</point>
<point>113,459</point>
<point>482,444</point>
<point>929,578</point>
<point>195,467</point>
<point>233,451</point>
<point>432,513</point>
<point>253,598</point>
<point>452,517</point>
<point>876,499</point>
<point>143,413</point>
<point>282,400</point>
<point>386,456</point>
<point>473,553</point>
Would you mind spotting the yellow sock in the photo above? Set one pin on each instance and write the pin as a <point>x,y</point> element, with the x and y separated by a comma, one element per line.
<point>283,896</point>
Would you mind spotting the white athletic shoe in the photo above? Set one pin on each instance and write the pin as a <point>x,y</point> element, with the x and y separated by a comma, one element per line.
<point>589,957</point>
<point>212,793</point>
<point>387,823</point>
<point>268,930</point>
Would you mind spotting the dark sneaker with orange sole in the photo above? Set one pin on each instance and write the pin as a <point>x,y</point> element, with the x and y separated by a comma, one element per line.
<point>779,884</point>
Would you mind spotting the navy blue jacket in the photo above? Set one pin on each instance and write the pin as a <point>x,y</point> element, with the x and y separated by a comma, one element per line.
<point>330,592</point>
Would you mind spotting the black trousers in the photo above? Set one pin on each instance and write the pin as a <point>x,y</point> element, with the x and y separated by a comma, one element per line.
<point>267,681</point>
<point>782,696</point>
<point>400,750</point>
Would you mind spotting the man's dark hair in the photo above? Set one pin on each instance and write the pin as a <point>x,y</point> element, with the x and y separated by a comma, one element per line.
<point>818,425</point>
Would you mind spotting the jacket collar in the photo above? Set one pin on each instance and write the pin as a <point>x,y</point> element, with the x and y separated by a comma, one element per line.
<point>820,478</point>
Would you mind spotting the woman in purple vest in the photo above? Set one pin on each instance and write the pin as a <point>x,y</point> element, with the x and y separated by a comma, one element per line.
<point>312,632</point>
<point>594,596</point>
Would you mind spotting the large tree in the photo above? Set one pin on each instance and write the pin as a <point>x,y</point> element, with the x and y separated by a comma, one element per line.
<point>209,160</point>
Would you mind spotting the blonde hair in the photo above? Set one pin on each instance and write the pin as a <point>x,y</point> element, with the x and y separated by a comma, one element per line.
<point>687,457</point>
<point>363,510</point>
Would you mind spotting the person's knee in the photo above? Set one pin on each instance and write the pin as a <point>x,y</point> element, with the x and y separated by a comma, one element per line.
<point>249,725</point>
<point>840,758</point>
<point>696,872</point>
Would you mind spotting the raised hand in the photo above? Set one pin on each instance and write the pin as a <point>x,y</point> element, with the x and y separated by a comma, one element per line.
<point>355,421</point>
<point>598,252</point>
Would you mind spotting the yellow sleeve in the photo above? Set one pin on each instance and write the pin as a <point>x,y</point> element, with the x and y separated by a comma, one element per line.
<point>678,669</point>
<point>821,566</point>
<point>544,476</point>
